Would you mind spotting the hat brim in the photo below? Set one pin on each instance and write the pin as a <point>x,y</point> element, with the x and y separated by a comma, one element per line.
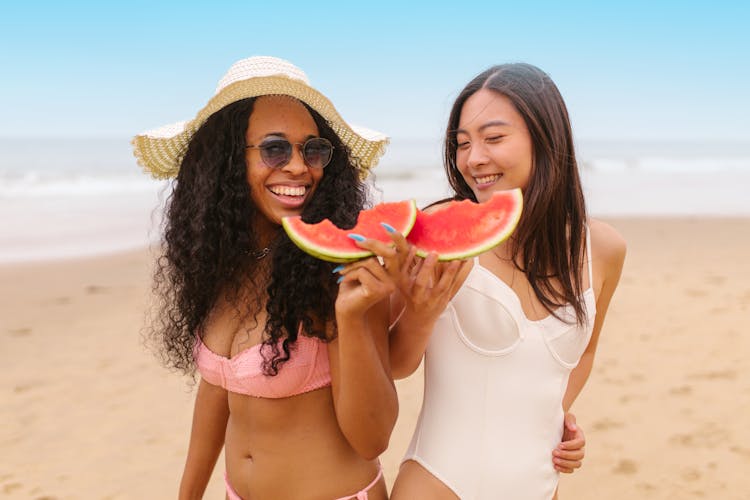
<point>160,151</point>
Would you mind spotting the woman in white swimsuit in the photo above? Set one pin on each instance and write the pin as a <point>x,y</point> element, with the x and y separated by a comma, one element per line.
<point>509,338</point>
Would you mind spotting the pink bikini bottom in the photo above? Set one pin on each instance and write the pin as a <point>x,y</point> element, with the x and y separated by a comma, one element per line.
<point>360,495</point>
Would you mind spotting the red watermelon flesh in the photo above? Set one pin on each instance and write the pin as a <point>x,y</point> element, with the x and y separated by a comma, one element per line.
<point>463,229</point>
<point>327,242</point>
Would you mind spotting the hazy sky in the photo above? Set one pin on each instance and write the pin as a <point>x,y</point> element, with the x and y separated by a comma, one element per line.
<point>641,70</point>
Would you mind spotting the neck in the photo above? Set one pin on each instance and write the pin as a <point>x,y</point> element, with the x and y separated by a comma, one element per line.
<point>265,231</point>
<point>503,251</point>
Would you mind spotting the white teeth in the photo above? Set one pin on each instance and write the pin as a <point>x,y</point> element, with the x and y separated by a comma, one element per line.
<point>487,179</point>
<point>288,190</point>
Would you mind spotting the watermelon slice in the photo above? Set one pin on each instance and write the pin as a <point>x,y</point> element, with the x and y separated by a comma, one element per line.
<point>463,229</point>
<point>327,242</point>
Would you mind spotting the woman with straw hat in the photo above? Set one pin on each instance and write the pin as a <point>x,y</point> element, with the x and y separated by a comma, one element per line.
<point>295,378</point>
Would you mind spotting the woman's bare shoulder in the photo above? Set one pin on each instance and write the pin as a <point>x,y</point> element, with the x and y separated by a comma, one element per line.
<point>607,246</point>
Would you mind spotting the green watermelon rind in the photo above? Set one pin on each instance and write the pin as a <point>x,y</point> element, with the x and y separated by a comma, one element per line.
<point>329,255</point>
<point>489,243</point>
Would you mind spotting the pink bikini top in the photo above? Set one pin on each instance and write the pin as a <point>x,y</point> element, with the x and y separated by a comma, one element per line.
<point>306,369</point>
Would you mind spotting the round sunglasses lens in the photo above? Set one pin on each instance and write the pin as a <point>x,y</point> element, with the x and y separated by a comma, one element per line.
<point>317,152</point>
<point>276,154</point>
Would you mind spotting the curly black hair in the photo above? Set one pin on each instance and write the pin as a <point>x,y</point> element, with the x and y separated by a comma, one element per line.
<point>210,242</point>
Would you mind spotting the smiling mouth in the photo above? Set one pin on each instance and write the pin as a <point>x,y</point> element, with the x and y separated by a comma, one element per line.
<point>292,191</point>
<point>487,179</point>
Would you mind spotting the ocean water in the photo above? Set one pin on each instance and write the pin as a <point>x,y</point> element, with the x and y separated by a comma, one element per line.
<point>72,197</point>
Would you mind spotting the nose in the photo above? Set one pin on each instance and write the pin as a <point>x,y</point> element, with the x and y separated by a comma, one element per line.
<point>476,156</point>
<point>296,165</point>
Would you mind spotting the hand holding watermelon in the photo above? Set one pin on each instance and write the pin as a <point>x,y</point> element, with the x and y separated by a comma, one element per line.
<point>426,285</point>
<point>365,282</point>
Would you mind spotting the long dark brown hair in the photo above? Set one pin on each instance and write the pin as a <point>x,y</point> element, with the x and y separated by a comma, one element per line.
<point>548,243</point>
<point>210,248</point>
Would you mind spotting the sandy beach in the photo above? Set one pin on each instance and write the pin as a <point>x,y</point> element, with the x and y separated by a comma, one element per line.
<point>86,412</point>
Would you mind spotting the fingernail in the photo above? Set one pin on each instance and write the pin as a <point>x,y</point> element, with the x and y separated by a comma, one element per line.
<point>356,237</point>
<point>338,269</point>
<point>341,278</point>
<point>388,227</point>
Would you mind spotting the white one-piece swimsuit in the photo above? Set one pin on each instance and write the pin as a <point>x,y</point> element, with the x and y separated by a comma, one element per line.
<point>494,383</point>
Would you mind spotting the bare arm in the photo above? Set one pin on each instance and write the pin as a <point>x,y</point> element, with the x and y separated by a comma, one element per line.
<point>408,342</point>
<point>424,288</point>
<point>423,295</point>
<point>364,394</point>
<point>608,255</point>
<point>206,439</point>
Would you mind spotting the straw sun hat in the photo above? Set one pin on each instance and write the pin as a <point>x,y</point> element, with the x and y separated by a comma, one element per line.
<point>160,151</point>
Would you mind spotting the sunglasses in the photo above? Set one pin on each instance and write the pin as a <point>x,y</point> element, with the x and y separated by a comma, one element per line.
<point>276,153</point>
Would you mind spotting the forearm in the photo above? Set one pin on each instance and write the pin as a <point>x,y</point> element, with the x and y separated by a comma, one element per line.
<point>408,341</point>
<point>366,401</point>
<point>577,379</point>
<point>195,477</point>
<point>206,440</point>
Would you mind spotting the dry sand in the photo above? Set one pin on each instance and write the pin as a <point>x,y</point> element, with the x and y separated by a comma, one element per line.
<point>87,412</point>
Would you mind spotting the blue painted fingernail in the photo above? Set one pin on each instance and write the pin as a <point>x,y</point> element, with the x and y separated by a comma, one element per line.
<point>356,237</point>
<point>341,278</point>
<point>388,227</point>
<point>338,269</point>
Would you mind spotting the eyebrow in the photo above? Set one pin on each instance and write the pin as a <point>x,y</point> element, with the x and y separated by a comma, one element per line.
<point>274,134</point>
<point>492,123</point>
<point>284,136</point>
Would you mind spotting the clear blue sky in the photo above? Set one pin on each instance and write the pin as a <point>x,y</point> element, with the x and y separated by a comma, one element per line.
<point>628,70</point>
